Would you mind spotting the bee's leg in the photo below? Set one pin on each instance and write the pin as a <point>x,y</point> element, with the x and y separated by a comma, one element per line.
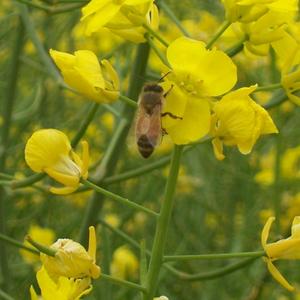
<point>170,115</point>
<point>168,91</point>
<point>163,131</point>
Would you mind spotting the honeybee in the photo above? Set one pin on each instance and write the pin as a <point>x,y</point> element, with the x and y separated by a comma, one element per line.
<point>148,129</point>
<point>148,122</point>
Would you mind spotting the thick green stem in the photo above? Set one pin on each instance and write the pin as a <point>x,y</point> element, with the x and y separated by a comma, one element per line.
<point>122,282</point>
<point>116,146</point>
<point>162,225</point>
<point>213,256</point>
<point>118,198</point>
<point>8,103</point>
<point>220,31</point>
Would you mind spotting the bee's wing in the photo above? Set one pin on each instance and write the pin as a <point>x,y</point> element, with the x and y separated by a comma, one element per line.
<point>154,132</point>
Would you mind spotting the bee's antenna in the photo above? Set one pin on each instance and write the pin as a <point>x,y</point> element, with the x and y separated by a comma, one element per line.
<point>165,75</point>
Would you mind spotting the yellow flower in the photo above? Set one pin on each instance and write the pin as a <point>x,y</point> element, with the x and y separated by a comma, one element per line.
<point>72,260</point>
<point>83,73</point>
<point>269,29</point>
<point>161,298</point>
<point>44,236</point>
<point>129,23</point>
<point>288,248</point>
<point>122,17</point>
<point>238,120</point>
<point>124,263</point>
<point>251,10</point>
<point>64,289</point>
<point>288,53</point>
<point>49,151</point>
<point>196,75</point>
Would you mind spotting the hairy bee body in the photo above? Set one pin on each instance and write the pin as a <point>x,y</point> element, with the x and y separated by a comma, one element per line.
<point>148,122</point>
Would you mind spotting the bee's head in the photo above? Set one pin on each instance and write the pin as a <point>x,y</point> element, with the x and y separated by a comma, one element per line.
<point>153,87</point>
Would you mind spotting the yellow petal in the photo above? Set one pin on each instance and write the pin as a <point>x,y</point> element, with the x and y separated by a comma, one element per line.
<point>278,276</point>
<point>213,70</point>
<point>284,249</point>
<point>174,104</point>
<point>68,180</point>
<point>195,123</point>
<point>92,243</point>
<point>87,65</point>
<point>92,7</point>
<point>62,190</point>
<point>218,148</point>
<point>33,294</point>
<point>45,148</point>
<point>266,231</point>
<point>296,227</point>
<point>218,72</point>
<point>62,60</point>
<point>184,53</point>
<point>100,17</point>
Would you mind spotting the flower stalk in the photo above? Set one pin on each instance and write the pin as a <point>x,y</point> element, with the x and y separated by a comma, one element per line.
<point>118,198</point>
<point>162,225</point>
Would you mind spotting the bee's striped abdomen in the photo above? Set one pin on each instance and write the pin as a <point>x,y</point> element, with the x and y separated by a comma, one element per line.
<point>145,146</point>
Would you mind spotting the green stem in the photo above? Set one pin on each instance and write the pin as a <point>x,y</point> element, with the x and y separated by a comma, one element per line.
<point>85,124</point>
<point>6,176</point>
<point>215,273</point>
<point>8,103</point>
<point>118,198</point>
<point>220,31</point>
<point>42,248</point>
<point>5,296</point>
<point>213,256</point>
<point>17,244</point>
<point>32,34</point>
<point>160,55</point>
<point>66,8</point>
<point>30,180</point>
<point>160,163</point>
<point>162,225</point>
<point>156,35</point>
<point>116,146</point>
<point>122,282</point>
<point>269,87</point>
<point>166,9</point>
<point>237,48</point>
<point>128,101</point>
<point>122,234</point>
<point>45,8</point>
<point>277,99</point>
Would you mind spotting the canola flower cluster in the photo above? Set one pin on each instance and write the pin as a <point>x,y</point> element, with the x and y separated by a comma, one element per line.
<point>200,84</point>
